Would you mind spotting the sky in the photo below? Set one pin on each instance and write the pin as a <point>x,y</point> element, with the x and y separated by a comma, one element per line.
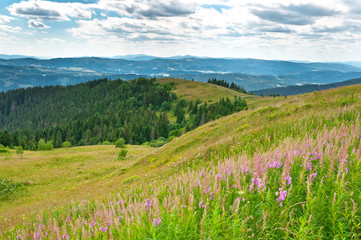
<point>307,30</point>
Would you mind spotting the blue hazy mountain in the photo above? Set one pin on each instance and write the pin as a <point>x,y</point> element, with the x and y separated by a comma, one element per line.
<point>252,74</point>
<point>295,90</point>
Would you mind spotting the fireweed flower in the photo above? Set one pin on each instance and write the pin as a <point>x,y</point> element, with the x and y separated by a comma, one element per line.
<point>156,221</point>
<point>288,179</point>
<point>92,224</point>
<point>245,170</point>
<point>148,203</point>
<point>314,175</point>
<point>282,196</point>
<point>212,196</point>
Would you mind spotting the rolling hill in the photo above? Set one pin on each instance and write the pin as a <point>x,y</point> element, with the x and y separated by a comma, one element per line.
<point>252,74</point>
<point>287,168</point>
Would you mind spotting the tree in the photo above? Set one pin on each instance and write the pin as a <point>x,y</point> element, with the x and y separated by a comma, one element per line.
<point>179,112</point>
<point>120,143</point>
<point>20,151</point>
<point>58,139</point>
<point>162,126</point>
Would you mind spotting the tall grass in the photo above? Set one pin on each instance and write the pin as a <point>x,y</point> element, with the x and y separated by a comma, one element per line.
<point>304,182</point>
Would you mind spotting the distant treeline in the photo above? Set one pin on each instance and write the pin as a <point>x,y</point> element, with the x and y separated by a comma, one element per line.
<point>226,84</point>
<point>102,111</point>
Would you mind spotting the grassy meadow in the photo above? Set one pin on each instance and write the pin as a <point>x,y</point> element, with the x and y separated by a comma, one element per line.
<point>51,178</point>
<point>287,168</point>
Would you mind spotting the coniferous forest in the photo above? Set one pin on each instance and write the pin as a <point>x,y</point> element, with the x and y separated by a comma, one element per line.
<point>102,111</point>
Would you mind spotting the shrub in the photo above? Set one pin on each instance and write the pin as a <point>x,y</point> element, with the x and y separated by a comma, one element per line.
<point>158,143</point>
<point>66,144</point>
<point>3,149</point>
<point>120,143</point>
<point>122,154</point>
<point>45,146</point>
<point>8,188</point>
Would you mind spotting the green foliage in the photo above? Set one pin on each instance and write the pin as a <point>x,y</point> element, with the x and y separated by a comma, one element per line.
<point>8,188</point>
<point>105,111</point>
<point>106,143</point>
<point>120,143</point>
<point>4,149</point>
<point>66,144</point>
<point>158,143</point>
<point>19,150</point>
<point>227,85</point>
<point>45,146</point>
<point>86,113</point>
<point>130,179</point>
<point>122,154</point>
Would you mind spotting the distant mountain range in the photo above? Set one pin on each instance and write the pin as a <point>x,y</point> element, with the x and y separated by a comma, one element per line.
<point>295,90</point>
<point>252,74</point>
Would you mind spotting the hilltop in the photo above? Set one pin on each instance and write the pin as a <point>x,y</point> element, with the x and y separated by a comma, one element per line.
<point>284,168</point>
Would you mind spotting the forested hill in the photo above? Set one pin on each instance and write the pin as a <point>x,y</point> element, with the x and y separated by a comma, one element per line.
<point>102,110</point>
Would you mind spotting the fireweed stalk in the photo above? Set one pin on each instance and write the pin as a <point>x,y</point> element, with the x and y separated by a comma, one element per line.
<point>297,188</point>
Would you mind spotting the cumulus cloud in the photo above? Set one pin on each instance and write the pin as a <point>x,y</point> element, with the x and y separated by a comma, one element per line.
<point>204,24</point>
<point>50,11</point>
<point>293,14</point>
<point>311,10</point>
<point>282,17</point>
<point>149,8</point>
<point>36,24</point>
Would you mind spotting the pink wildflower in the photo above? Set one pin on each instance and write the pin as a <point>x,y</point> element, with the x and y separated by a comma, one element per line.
<point>282,196</point>
<point>148,204</point>
<point>156,221</point>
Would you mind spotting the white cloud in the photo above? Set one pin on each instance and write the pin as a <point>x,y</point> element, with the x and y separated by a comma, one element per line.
<point>51,11</point>
<point>36,24</point>
<point>10,29</point>
<point>217,27</point>
<point>5,19</point>
<point>148,8</point>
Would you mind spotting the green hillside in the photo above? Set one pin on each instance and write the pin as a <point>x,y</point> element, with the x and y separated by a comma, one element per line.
<point>139,111</point>
<point>284,168</point>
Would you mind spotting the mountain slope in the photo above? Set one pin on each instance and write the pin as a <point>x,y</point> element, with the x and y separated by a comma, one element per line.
<point>292,164</point>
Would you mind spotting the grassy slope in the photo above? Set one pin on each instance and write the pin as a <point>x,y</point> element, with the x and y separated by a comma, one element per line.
<point>246,131</point>
<point>191,91</point>
<point>62,175</point>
